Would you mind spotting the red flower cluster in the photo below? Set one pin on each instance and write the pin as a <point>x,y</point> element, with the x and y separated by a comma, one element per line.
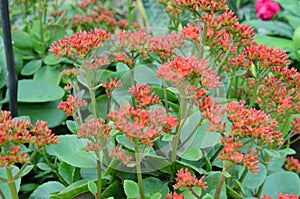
<point>174,196</point>
<point>68,75</point>
<point>165,46</point>
<point>97,63</point>
<point>111,85</point>
<point>282,196</point>
<point>13,156</point>
<point>13,133</point>
<point>252,124</point>
<point>266,9</point>
<point>185,179</point>
<point>202,5</point>
<point>141,92</point>
<point>42,134</point>
<point>79,44</point>
<point>292,164</point>
<point>296,126</point>
<point>120,155</point>
<point>274,95</point>
<point>71,105</point>
<point>97,132</point>
<point>263,57</point>
<point>134,42</point>
<point>231,153</point>
<point>189,69</point>
<point>142,126</point>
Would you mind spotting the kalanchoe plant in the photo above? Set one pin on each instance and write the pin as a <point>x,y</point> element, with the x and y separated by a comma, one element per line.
<point>14,136</point>
<point>201,112</point>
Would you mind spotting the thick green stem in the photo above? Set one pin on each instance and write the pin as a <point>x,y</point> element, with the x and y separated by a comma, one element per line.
<point>253,97</point>
<point>139,171</point>
<point>165,96</point>
<point>219,186</point>
<point>11,184</point>
<point>98,176</point>
<point>40,16</point>
<point>95,107</point>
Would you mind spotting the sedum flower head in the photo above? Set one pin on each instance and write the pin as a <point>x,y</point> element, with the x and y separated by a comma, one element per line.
<point>185,179</point>
<point>252,123</point>
<point>97,132</point>
<point>15,132</point>
<point>80,44</point>
<point>187,69</point>
<point>141,126</point>
<point>292,164</point>
<point>141,93</point>
<point>71,105</point>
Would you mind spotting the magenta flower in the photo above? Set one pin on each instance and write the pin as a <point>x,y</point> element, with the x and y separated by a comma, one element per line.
<point>266,9</point>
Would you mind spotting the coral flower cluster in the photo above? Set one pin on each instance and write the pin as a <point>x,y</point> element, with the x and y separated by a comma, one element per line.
<point>80,44</point>
<point>141,125</point>
<point>13,133</point>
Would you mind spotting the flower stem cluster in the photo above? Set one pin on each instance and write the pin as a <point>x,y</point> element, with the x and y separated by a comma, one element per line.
<point>15,132</point>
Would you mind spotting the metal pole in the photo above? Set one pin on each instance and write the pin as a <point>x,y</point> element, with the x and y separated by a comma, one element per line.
<point>12,79</point>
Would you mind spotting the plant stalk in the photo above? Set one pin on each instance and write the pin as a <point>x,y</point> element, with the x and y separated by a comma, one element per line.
<point>98,176</point>
<point>253,97</point>
<point>139,171</point>
<point>219,186</point>
<point>11,183</point>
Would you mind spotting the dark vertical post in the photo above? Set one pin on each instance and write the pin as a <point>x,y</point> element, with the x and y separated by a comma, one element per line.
<point>12,79</point>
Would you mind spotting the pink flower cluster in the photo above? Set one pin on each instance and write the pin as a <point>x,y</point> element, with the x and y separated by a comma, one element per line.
<point>266,9</point>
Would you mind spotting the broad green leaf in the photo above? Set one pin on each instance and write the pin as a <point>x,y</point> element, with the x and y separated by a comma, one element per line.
<point>272,153</point>
<point>158,19</point>
<point>156,196</point>
<point>296,42</point>
<point>21,39</point>
<point>28,187</point>
<point>75,189</point>
<point>47,74</point>
<point>57,32</point>
<point>145,74</point>
<point>4,187</point>
<point>232,193</point>
<point>122,67</point>
<point>276,27</point>
<point>131,189</point>
<point>72,126</point>
<point>92,187</point>
<point>51,60</point>
<point>102,106</point>
<point>287,151</point>
<point>252,181</point>
<point>38,91</point>
<point>160,92</point>
<point>293,20</point>
<point>43,111</point>
<point>31,67</point>
<point>43,166</point>
<point>284,182</point>
<point>291,5</point>
<point>87,173</point>
<point>72,151</point>
<point>47,189</point>
<point>192,154</point>
<point>276,42</point>
<point>188,194</point>
<point>67,172</point>
<point>153,185</point>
